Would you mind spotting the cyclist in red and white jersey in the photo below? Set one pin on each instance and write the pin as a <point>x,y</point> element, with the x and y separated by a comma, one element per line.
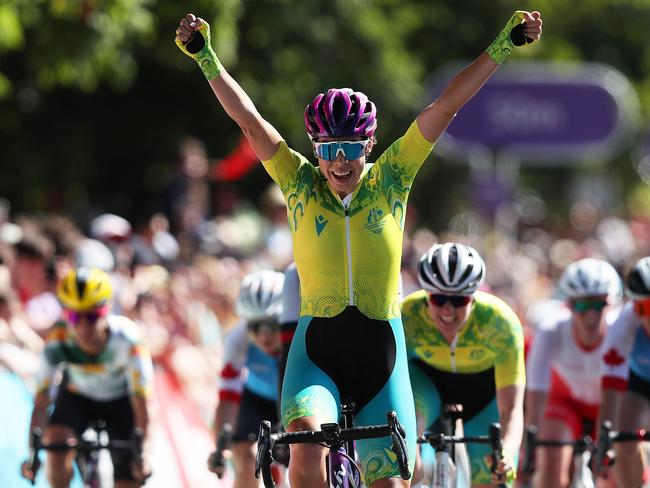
<point>626,374</point>
<point>563,389</point>
<point>248,389</point>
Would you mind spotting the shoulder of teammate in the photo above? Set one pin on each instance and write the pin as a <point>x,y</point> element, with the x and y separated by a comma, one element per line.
<point>621,334</point>
<point>235,346</point>
<point>612,315</point>
<point>620,338</point>
<point>498,308</point>
<point>413,303</point>
<point>619,341</point>
<point>290,295</point>
<point>125,328</point>
<point>57,333</point>
<point>495,316</point>
<point>545,343</point>
<point>414,311</point>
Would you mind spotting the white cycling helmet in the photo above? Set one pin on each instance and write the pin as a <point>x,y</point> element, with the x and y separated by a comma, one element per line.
<point>590,277</point>
<point>451,268</point>
<point>637,281</point>
<point>260,296</point>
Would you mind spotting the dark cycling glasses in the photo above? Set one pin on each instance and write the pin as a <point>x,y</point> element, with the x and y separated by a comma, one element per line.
<point>330,150</point>
<point>456,300</point>
<point>642,307</point>
<point>258,326</point>
<point>75,318</point>
<point>585,305</point>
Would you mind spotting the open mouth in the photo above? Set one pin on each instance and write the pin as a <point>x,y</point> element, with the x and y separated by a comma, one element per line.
<point>341,175</point>
<point>447,320</point>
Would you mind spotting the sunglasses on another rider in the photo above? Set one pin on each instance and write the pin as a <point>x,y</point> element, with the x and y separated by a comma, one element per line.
<point>586,305</point>
<point>457,301</point>
<point>261,325</point>
<point>92,317</point>
<point>642,307</point>
<point>329,151</point>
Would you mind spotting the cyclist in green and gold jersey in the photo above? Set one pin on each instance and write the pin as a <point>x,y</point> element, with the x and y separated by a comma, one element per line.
<point>347,222</point>
<point>465,346</point>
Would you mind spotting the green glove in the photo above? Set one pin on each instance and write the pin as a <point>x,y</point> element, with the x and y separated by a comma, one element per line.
<point>510,37</point>
<point>198,48</point>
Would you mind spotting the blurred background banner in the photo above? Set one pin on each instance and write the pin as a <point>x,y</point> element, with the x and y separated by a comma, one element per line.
<point>546,113</point>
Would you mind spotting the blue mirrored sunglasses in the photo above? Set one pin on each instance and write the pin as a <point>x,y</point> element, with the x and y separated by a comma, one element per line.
<point>330,150</point>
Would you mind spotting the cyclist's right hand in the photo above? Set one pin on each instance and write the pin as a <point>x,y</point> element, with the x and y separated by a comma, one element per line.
<point>604,468</point>
<point>26,470</point>
<point>192,35</point>
<point>217,464</point>
<point>140,471</point>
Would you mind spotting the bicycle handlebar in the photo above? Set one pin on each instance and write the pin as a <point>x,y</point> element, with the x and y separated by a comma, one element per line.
<point>224,442</point>
<point>494,433</point>
<point>532,443</point>
<point>441,441</point>
<point>134,445</point>
<point>604,456</point>
<point>333,437</point>
<point>602,449</point>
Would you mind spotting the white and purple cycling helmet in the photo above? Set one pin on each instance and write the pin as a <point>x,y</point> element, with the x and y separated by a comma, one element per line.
<point>341,112</point>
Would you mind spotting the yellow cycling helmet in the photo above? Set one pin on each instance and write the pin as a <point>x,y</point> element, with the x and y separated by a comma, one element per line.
<point>84,289</point>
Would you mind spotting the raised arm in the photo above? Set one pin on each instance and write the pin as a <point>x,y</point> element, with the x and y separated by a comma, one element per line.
<point>522,28</point>
<point>193,38</point>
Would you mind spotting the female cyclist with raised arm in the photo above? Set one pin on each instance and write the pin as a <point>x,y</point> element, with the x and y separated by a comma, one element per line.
<point>248,387</point>
<point>347,220</point>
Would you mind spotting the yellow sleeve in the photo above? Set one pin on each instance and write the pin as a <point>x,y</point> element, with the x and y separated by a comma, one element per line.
<point>403,158</point>
<point>283,167</point>
<point>509,366</point>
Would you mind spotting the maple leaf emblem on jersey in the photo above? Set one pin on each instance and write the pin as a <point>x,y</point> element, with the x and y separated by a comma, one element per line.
<point>613,358</point>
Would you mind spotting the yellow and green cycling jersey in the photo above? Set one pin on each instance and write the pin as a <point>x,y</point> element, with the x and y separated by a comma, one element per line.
<point>349,254</point>
<point>491,337</point>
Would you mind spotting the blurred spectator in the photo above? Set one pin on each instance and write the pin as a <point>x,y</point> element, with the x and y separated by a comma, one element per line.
<point>188,194</point>
<point>276,243</point>
<point>19,344</point>
<point>94,254</point>
<point>33,276</point>
<point>152,243</point>
<point>110,228</point>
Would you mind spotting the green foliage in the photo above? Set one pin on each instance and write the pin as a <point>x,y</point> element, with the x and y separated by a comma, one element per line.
<point>75,43</point>
<point>105,93</point>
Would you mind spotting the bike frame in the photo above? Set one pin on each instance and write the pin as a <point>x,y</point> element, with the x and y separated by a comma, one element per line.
<point>443,443</point>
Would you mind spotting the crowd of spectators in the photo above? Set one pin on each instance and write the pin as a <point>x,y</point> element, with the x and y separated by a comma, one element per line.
<point>178,273</point>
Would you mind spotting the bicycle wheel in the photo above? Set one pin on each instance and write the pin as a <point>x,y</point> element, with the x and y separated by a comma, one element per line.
<point>88,464</point>
<point>343,472</point>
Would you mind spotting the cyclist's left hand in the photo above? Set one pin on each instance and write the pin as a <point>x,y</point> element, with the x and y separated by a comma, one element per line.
<point>533,29</point>
<point>505,469</point>
<point>141,471</point>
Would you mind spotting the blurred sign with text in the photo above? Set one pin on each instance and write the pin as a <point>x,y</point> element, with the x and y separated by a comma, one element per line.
<point>544,113</point>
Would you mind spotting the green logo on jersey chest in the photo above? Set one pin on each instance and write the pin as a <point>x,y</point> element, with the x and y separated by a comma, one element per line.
<point>476,354</point>
<point>375,222</point>
<point>321,221</point>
